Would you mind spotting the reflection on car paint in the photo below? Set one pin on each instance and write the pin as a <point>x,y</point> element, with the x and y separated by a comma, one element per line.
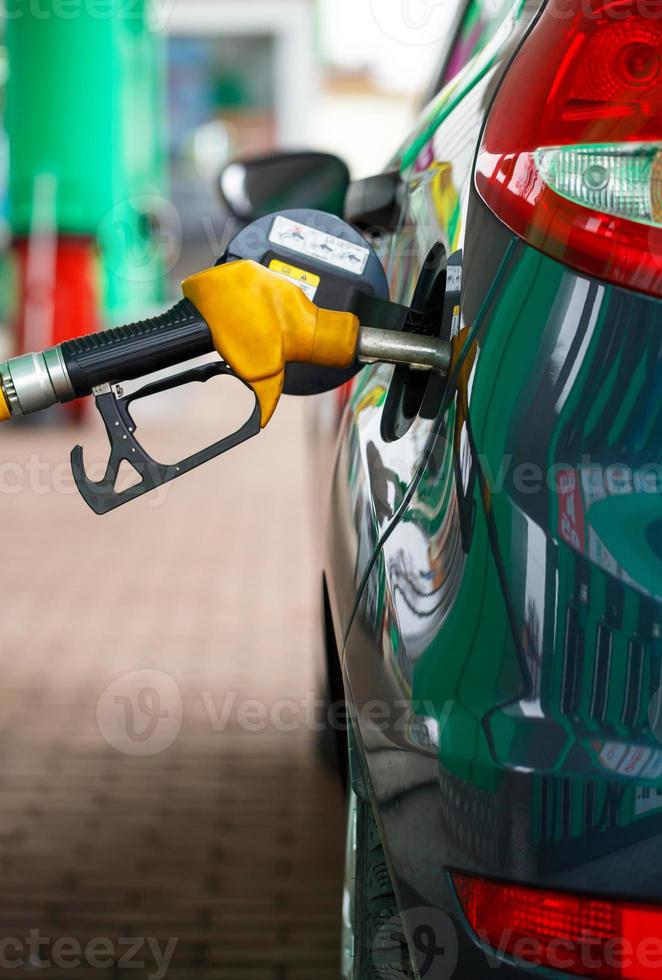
<point>547,725</point>
<point>462,85</point>
<point>514,605</point>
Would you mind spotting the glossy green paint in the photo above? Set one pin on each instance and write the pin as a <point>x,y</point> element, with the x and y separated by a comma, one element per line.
<point>472,661</point>
<point>476,662</point>
<point>623,524</point>
<point>463,668</point>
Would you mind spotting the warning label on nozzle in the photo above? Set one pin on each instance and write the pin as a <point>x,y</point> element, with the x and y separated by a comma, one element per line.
<point>308,282</point>
<point>318,245</point>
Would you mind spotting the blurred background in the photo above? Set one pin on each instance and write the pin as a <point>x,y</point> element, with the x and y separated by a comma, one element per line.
<point>217,845</point>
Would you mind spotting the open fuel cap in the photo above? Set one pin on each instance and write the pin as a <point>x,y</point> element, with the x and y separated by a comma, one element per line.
<point>335,267</point>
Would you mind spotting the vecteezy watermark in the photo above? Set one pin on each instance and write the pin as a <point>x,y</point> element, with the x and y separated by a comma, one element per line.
<point>141,237</point>
<point>592,10</point>
<point>154,15</point>
<point>36,952</point>
<point>414,22</point>
<point>140,713</point>
<point>587,954</point>
<point>421,937</point>
<point>423,942</point>
<point>41,477</point>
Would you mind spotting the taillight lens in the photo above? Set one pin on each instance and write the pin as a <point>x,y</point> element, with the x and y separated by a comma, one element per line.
<point>571,158</point>
<point>582,936</point>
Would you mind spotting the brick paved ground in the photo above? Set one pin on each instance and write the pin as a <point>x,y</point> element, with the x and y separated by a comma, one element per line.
<point>229,841</point>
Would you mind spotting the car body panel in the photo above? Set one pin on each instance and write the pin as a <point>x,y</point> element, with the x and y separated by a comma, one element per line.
<point>487,654</point>
<point>372,474</point>
<point>505,677</point>
<point>495,575</point>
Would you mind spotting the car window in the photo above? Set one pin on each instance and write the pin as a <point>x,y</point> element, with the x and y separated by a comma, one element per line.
<point>478,26</point>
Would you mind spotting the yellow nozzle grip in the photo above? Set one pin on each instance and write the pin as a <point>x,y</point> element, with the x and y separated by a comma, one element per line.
<point>260,322</point>
<point>5,412</point>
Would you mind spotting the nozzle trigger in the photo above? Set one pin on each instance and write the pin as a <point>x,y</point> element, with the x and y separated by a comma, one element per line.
<point>114,409</point>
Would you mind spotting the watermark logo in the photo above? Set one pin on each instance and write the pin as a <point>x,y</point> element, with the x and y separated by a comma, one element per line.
<point>34,952</point>
<point>423,938</point>
<point>140,713</point>
<point>141,236</point>
<point>153,16</point>
<point>40,476</point>
<point>414,22</point>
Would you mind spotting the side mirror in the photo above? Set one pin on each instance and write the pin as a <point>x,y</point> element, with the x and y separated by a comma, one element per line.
<point>376,202</point>
<point>253,188</point>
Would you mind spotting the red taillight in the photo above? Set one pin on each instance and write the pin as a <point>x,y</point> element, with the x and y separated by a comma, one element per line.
<point>586,937</point>
<point>571,158</point>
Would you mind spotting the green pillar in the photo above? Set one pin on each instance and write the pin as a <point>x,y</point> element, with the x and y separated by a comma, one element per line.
<point>85,126</point>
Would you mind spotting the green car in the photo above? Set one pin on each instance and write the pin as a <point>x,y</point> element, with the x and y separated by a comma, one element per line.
<point>493,560</point>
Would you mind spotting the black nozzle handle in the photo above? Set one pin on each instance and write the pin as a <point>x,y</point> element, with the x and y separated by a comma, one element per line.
<point>137,349</point>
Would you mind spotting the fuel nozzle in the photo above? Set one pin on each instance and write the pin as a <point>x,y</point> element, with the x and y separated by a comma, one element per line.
<point>304,302</point>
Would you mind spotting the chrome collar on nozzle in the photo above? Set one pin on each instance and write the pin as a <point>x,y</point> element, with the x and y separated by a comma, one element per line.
<point>33,382</point>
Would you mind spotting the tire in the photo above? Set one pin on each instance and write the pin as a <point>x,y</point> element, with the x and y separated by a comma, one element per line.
<point>374,946</point>
<point>331,740</point>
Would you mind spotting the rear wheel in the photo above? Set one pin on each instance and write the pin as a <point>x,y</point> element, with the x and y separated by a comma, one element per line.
<point>373,942</point>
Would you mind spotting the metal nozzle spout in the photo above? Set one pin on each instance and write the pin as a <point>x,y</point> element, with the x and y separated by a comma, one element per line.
<point>396,347</point>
